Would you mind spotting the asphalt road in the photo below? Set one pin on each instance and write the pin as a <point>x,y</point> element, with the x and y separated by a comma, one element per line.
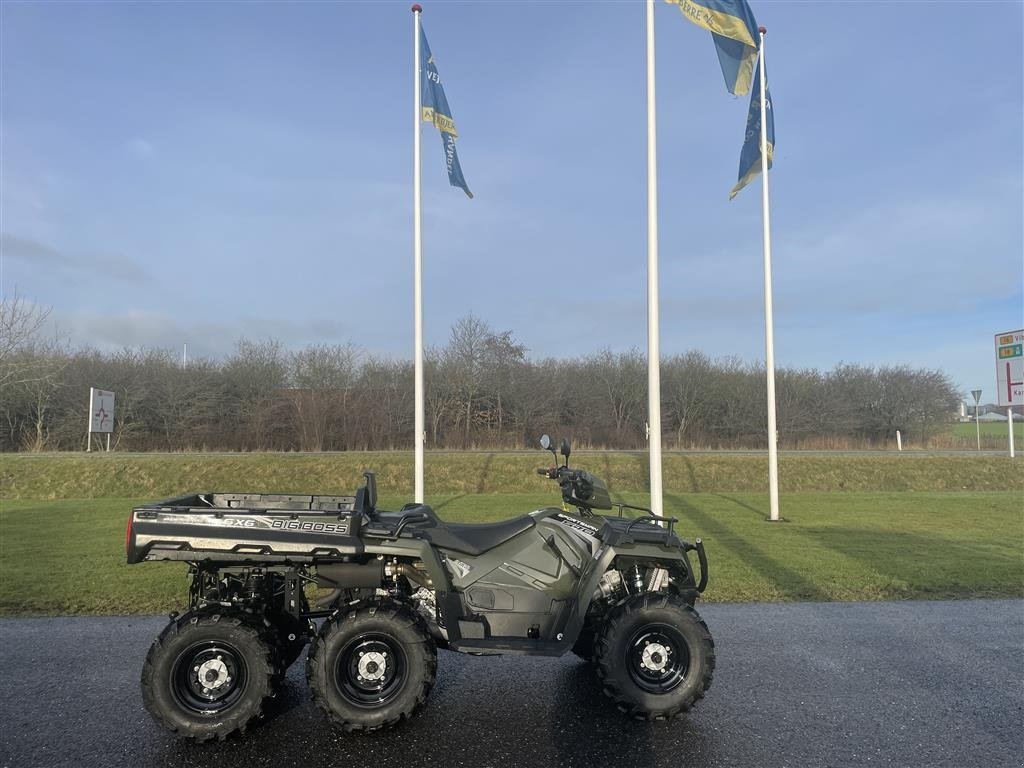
<point>878,684</point>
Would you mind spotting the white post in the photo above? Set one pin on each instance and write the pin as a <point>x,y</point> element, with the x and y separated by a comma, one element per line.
<point>769,331</point>
<point>976,394</point>
<point>419,431</point>
<point>108,442</point>
<point>184,355</point>
<point>653,352</point>
<point>899,441</point>
<point>88,442</point>
<point>1009,426</point>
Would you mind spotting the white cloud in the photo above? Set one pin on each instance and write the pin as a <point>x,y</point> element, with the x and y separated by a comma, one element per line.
<point>205,338</point>
<point>102,266</point>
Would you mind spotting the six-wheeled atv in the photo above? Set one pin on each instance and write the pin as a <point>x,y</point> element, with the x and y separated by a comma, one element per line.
<point>392,587</point>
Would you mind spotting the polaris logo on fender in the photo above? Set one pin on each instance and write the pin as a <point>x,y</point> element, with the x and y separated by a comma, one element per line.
<point>340,529</point>
<point>578,525</point>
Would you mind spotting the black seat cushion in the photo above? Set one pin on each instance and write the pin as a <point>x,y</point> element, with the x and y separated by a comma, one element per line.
<point>475,538</point>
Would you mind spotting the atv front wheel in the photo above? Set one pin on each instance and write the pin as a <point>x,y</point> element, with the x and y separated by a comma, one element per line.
<point>208,673</point>
<point>655,657</point>
<point>372,666</point>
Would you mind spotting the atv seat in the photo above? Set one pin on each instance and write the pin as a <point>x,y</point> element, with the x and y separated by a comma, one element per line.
<point>470,538</point>
<point>476,538</point>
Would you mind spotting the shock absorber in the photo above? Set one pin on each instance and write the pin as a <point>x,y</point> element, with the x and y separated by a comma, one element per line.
<point>657,579</point>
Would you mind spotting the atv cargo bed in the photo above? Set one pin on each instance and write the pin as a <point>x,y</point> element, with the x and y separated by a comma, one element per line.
<point>245,527</point>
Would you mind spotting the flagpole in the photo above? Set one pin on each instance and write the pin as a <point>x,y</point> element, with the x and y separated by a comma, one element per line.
<point>419,430</point>
<point>653,352</point>
<point>769,323</point>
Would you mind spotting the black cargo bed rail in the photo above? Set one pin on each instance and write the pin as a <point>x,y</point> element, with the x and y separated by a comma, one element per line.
<point>253,502</point>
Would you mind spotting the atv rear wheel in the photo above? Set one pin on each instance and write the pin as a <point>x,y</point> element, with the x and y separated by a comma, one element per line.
<point>208,673</point>
<point>655,657</point>
<point>372,666</point>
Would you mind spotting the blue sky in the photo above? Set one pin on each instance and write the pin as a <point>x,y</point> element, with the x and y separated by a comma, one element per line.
<point>199,172</point>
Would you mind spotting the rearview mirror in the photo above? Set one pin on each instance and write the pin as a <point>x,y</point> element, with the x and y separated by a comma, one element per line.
<point>565,449</point>
<point>545,442</point>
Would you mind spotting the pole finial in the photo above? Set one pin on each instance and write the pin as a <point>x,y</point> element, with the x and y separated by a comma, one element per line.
<point>762,30</point>
<point>417,8</point>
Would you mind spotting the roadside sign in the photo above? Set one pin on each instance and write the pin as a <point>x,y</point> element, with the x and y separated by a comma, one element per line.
<point>1010,368</point>
<point>101,410</point>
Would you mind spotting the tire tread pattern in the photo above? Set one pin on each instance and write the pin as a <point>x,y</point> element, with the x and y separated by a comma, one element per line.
<point>318,672</point>
<point>239,621</point>
<point>604,655</point>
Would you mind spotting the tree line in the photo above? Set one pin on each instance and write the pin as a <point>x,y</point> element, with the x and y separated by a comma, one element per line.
<point>482,391</point>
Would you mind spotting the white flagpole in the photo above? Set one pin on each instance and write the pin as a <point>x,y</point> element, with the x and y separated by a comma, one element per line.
<point>769,327</point>
<point>419,427</point>
<point>653,353</point>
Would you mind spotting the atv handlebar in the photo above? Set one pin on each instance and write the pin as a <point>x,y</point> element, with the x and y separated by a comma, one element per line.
<point>561,474</point>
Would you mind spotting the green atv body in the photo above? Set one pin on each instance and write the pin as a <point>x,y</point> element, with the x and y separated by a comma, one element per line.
<point>393,587</point>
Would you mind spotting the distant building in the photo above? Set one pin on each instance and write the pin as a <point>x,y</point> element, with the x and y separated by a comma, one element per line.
<point>992,416</point>
<point>966,412</point>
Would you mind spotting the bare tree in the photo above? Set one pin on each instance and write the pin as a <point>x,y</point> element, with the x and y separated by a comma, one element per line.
<point>482,390</point>
<point>623,379</point>
<point>688,391</point>
<point>465,357</point>
<point>254,376</point>
<point>20,323</point>
<point>322,377</point>
<point>30,367</point>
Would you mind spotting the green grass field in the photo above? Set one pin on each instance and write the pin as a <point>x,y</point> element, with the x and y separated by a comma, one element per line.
<point>154,476</point>
<point>859,528</point>
<point>990,429</point>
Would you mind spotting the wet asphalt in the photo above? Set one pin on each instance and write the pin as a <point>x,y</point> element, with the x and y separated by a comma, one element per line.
<point>809,684</point>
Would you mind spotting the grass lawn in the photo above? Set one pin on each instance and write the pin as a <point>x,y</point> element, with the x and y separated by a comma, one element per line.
<point>67,556</point>
<point>991,429</point>
<point>156,476</point>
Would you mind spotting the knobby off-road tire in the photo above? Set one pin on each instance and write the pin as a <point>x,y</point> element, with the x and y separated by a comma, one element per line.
<point>208,674</point>
<point>372,665</point>
<point>655,657</point>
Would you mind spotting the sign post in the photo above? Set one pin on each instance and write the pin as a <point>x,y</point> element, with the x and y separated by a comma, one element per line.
<point>1010,374</point>
<point>1009,427</point>
<point>101,414</point>
<point>977,424</point>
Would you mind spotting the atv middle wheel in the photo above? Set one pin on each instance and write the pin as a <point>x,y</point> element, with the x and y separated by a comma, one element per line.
<point>372,666</point>
<point>655,656</point>
<point>208,674</point>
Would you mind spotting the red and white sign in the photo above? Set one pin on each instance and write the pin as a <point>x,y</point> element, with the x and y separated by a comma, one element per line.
<point>1010,368</point>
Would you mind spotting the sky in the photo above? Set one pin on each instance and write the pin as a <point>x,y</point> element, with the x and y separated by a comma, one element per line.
<point>201,172</point>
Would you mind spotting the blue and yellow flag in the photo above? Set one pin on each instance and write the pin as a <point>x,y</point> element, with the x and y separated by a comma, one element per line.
<point>750,155</point>
<point>734,30</point>
<point>435,110</point>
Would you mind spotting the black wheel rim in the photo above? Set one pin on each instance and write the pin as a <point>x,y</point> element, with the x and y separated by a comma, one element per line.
<point>658,658</point>
<point>209,677</point>
<point>371,670</point>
